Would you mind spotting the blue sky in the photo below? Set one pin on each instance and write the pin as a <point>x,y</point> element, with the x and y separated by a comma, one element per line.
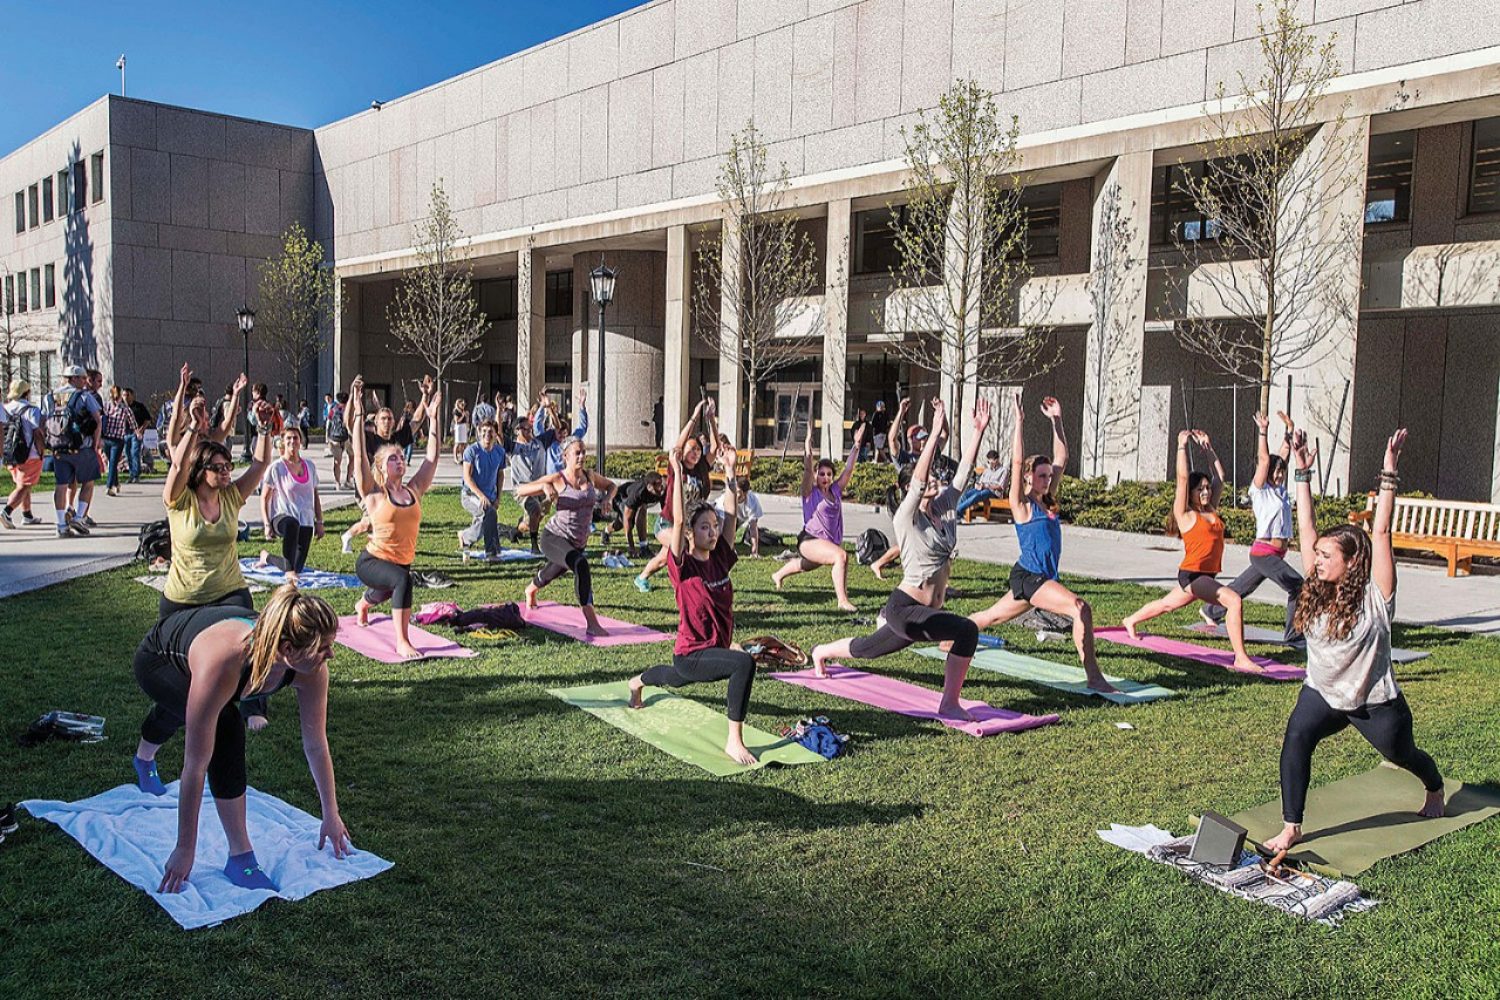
<point>299,63</point>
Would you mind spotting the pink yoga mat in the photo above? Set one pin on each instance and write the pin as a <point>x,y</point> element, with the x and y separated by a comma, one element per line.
<point>909,699</point>
<point>378,640</point>
<point>567,620</point>
<point>1213,657</point>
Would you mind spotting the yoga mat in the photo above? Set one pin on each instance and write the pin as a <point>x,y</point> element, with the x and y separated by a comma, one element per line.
<point>1254,633</point>
<point>309,579</point>
<point>504,555</point>
<point>132,833</point>
<point>568,620</point>
<point>689,731</point>
<point>158,583</point>
<point>1056,675</point>
<point>1213,657</point>
<point>378,641</point>
<point>909,699</point>
<point>1352,823</point>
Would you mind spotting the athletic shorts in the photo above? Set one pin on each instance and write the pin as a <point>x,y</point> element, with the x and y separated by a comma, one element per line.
<point>1185,577</point>
<point>76,467</point>
<point>28,473</point>
<point>1024,583</point>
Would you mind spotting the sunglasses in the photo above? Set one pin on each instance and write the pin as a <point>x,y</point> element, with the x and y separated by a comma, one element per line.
<point>222,468</point>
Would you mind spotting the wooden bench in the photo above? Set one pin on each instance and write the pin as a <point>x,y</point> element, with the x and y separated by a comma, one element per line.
<point>1457,530</point>
<point>991,509</point>
<point>744,461</point>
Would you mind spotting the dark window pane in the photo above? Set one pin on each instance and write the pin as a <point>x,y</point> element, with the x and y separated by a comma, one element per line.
<point>47,203</point>
<point>80,187</point>
<point>33,209</point>
<point>62,192</point>
<point>559,293</point>
<point>875,242</point>
<point>20,211</point>
<point>36,288</point>
<point>10,293</point>
<point>1388,184</point>
<point>50,281</point>
<point>21,293</point>
<point>1484,177</point>
<point>96,175</point>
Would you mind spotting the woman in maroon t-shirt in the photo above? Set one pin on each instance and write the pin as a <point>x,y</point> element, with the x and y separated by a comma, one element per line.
<point>700,555</point>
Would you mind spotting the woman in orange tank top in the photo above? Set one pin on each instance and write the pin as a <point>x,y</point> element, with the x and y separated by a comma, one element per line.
<point>394,510</point>
<point>1195,516</point>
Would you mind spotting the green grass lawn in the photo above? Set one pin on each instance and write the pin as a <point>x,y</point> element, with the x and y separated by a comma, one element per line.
<point>539,850</point>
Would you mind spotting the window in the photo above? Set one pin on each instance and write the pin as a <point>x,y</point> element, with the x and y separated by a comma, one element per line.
<point>26,367</point>
<point>44,367</point>
<point>62,193</point>
<point>875,241</point>
<point>20,211</point>
<point>1042,208</point>
<point>10,294</point>
<point>1388,183</point>
<point>559,293</point>
<point>558,375</point>
<point>497,298</point>
<point>20,292</point>
<point>33,213</point>
<point>1484,177</point>
<point>80,187</point>
<point>47,203</point>
<point>96,175</point>
<point>49,280</point>
<point>1173,215</point>
<point>36,288</point>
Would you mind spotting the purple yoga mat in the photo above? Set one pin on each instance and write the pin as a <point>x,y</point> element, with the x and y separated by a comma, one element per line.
<point>378,640</point>
<point>1273,671</point>
<point>567,620</point>
<point>909,699</point>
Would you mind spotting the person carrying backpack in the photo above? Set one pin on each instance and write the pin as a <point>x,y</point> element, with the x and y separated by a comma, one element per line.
<point>72,433</point>
<point>23,451</point>
<point>336,434</point>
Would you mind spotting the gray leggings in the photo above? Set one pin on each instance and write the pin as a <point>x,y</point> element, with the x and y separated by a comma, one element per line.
<point>1278,571</point>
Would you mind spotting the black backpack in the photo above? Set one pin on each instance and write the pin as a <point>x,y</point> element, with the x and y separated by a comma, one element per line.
<point>155,542</point>
<point>17,448</point>
<point>872,545</point>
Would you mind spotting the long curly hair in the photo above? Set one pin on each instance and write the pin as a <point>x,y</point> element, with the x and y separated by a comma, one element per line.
<point>1337,604</point>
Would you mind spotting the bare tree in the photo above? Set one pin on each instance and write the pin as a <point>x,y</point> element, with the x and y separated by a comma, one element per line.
<point>1264,244</point>
<point>1114,279</point>
<point>434,314</point>
<point>773,323</point>
<point>960,241</point>
<point>296,295</point>
<point>15,332</point>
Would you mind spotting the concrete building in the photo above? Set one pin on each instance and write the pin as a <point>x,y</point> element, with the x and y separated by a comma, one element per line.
<point>605,143</point>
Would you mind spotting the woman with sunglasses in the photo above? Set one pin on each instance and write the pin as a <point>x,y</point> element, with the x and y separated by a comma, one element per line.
<point>203,498</point>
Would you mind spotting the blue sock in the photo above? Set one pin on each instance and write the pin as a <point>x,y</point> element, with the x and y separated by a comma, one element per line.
<point>147,778</point>
<point>244,871</point>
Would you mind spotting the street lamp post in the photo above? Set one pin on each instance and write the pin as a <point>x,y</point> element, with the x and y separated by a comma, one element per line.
<point>246,317</point>
<point>602,284</point>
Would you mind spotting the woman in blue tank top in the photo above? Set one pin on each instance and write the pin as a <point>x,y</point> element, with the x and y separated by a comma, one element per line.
<point>1033,579</point>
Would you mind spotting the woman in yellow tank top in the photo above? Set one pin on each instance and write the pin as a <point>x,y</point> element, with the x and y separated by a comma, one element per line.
<point>394,509</point>
<point>1195,518</point>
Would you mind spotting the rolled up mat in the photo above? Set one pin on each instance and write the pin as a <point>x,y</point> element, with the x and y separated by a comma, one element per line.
<point>1056,675</point>
<point>1350,824</point>
<point>568,621</point>
<point>378,640</point>
<point>1254,633</point>
<point>909,699</point>
<point>690,731</point>
<point>1270,669</point>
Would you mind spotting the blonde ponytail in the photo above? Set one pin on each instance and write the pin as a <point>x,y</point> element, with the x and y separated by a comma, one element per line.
<point>298,619</point>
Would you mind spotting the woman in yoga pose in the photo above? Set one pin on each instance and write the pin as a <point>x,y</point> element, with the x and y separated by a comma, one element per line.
<point>289,503</point>
<point>1273,532</point>
<point>821,542</point>
<point>1345,612</point>
<point>896,433</point>
<point>195,666</point>
<point>1033,579</point>
<point>700,556</point>
<point>926,526</point>
<point>203,506</point>
<point>1195,516</point>
<point>695,483</point>
<point>577,492</point>
<point>394,510</point>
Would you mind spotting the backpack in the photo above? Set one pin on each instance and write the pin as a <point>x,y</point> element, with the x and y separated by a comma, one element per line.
<point>65,427</point>
<point>155,542</point>
<point>17,448</point>
<point>872,545</point>
<point>335,425</point>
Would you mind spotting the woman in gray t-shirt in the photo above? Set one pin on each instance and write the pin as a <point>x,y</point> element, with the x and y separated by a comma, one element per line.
<point>1345,612</point>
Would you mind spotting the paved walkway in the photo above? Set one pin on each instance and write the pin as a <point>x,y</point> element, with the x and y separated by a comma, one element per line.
<point>35,557</point>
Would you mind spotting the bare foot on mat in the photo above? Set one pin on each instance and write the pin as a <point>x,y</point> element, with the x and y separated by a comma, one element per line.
<point>1432,806</point>
<point>740,753</point>
<point>954,711</point>
<point>1289,835</point>
<point>636,687</point>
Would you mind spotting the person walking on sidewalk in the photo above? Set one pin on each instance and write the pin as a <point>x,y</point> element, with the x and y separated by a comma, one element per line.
<point>23,452</point>
<point>119,427</point>
<point>73,435</point>
<point>136,441</point>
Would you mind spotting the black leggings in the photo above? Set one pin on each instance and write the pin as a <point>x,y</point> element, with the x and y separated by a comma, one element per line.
<point>562,558</point>
<point>239,598</point>
<point>907,621</point>
<point>1387,726</point>
<point>296,539</point>
<point>710,665</point>
<point>384,581</point>
<point>167,686</point>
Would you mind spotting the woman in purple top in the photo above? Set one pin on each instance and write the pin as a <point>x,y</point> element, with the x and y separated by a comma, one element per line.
<point>821,542</point>
<point>576,492</point>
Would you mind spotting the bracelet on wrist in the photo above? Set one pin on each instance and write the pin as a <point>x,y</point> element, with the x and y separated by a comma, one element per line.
<point>1303,475</point>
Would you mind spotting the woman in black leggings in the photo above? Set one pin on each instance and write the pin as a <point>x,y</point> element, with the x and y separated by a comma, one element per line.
<point>195,666</point>
<point>577,492</point>
<point>1345,610</point>
<point>289,503</point>
<point>700,556</point>
<point>926,527</point>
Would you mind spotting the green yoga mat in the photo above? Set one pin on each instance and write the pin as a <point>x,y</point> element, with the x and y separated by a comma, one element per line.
<point>1056,675</point>
<point>683,728</point>
<point>1352,823</point>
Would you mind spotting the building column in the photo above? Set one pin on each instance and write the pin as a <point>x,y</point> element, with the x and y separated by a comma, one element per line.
<point>835,327</point>
<point>731,376</point>
<point>1117,331</point>
<point>677,344</point>
<point>346,363</point>
<point>531,326</point>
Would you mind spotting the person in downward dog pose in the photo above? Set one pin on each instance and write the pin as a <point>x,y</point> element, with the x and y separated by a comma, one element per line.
<point>695,482</point>
<point>394,510</point>
<point>1273,532</point>
<point>700,556</point>
<point>1345,611</point>
<point>1195,516</point>
<point>194,666</point>
<point>577,492</point>
<point>1033,579</point>
<point>821,542</point>
<point>926,526</point>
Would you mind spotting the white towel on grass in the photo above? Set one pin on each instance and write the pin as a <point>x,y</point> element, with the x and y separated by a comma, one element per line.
<point>133,833</point>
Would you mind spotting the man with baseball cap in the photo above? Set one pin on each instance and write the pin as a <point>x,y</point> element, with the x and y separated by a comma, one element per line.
<point>73,427</point>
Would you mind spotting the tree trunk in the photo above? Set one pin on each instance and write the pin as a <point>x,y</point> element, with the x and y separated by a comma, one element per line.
<point>749,436</point>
